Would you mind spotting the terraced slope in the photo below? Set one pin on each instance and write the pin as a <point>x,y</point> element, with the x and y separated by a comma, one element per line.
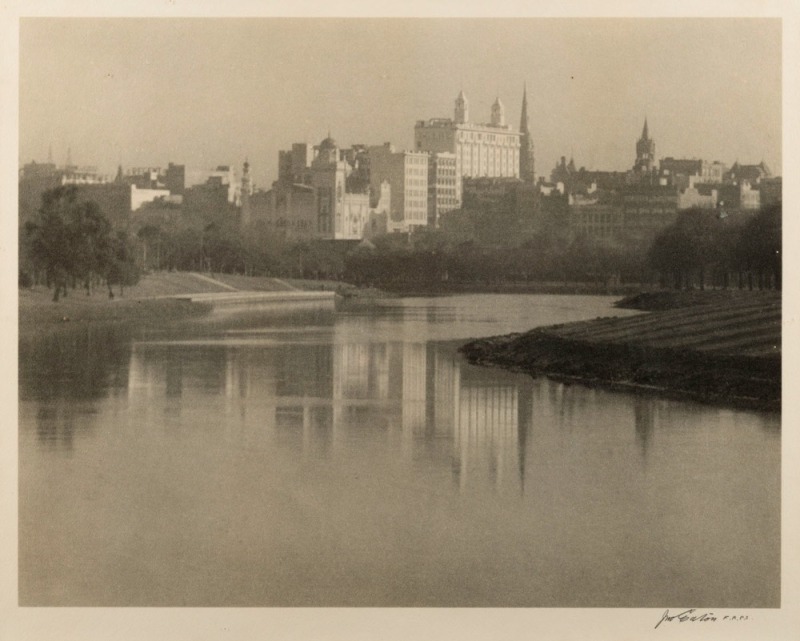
<point>747,325</point>
<point>727,351</point>
<point>254,283</point>
<point>172,283</point>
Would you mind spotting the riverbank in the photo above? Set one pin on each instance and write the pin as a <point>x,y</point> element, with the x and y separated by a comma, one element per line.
<point>725,351</point>
<point>661,300</point>
<point>39,315</point>
<point>157,299</point>
<point>445,288</point>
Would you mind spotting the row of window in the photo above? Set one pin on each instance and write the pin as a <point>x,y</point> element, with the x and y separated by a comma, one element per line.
<point>502,140</point>
<point>633,211</point>
<point>417,159</point>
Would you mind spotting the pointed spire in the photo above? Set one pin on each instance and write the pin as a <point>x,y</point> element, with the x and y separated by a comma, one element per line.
<point>523,120</point>
<point>526,158</point>
<point>644,130</point>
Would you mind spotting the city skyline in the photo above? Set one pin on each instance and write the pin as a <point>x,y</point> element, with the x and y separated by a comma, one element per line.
<point>205,92</point>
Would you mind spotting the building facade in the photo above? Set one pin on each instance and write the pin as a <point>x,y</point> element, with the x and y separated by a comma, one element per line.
<point>442,179</point>
<point>407,174</point>
<point>317,197</point>
<point>599,222</point>
<point>482,150</point>
<point>647,209</point>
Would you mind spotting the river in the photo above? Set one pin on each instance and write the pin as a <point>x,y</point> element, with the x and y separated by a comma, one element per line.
<point>352,458</point>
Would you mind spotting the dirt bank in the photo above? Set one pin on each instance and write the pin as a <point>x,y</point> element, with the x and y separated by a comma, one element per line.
<point>723,352</point>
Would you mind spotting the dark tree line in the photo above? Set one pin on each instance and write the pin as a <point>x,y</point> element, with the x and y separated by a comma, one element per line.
<point>706,247</point>
<point>473,247</point>
<point>73,244</point>
<point>430,258</point>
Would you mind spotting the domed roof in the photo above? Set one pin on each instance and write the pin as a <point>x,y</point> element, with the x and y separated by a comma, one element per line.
<point>328,143</point>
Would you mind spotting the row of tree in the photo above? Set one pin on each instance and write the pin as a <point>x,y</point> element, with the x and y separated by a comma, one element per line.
<point>72,243</point>
<point>706,248</point>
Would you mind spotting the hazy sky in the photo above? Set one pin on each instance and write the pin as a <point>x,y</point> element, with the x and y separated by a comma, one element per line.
<point>205,92</point>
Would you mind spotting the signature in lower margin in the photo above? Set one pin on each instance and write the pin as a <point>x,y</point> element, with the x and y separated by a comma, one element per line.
<point>693,616</point>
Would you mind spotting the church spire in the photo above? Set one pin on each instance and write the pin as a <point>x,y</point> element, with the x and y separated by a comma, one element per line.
<point>523,120</point>
<point>526,159</point>
<point>645,152</point>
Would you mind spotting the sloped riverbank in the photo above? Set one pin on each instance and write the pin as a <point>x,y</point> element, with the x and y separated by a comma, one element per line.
<point>727,351</point>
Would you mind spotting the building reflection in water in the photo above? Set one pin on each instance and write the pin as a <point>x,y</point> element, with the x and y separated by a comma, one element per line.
<point>644,421</point>
<point>318,398</point>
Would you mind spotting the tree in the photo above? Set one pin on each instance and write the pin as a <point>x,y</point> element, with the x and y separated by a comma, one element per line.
<point>72,241</point>
<point>150,235</point>
<point>759,248</point>
<point>69,241</point>
<point>671,256</point>
<point>691,246</point>
<point>120,266</point>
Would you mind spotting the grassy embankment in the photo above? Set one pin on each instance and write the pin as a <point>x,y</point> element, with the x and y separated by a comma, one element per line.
<point>146,303</point>
<point>720,347</point>
<point>149,302</point>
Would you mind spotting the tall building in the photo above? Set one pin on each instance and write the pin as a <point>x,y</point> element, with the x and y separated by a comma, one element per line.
<point>407,174</point>
<point>293,164</point>
<point>441,186</point>
<point>526,162</point>
<point>482,150</point>
<point>175,178</point>
<point>645,153</point>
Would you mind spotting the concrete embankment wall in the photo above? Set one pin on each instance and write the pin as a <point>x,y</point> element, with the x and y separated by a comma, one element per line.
<point>248,299</point>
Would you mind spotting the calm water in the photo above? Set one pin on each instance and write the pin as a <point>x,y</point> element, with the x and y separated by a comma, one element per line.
<point>353,459</point>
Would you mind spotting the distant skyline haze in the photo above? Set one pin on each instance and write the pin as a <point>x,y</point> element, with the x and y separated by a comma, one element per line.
<point>207,92</point>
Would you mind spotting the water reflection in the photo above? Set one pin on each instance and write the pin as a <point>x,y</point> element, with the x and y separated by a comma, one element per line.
<point>644,421</point>
<point>316,388</point>
<point>359,461</point>
<point>324,396</point>
<point>81,363</point>
<point>67,374</point>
